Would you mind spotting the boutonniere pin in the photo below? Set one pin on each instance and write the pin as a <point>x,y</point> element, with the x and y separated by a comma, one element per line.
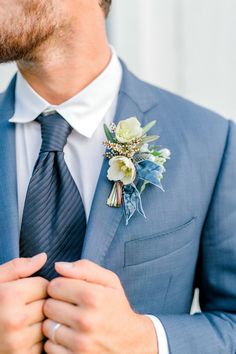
<point>132,159</point>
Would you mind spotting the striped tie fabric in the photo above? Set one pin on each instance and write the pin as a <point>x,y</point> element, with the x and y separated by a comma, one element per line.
<point>54,218</point>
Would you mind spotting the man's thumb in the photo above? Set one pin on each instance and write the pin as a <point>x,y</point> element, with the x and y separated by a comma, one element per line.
<point>21,267</point>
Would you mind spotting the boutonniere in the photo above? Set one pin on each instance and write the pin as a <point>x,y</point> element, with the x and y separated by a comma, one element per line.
<point>132,159</point>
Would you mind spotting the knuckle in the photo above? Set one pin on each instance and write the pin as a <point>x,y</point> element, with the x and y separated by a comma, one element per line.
<point>14,343</point>
<point>93,298</point>
<point>37,349</point>
<point>8,294</point>
<point>53,285</point>
<point>82,344</point>
<point>56,283</point>
<point>40,309</point>
<point>84,263</point>
<point>47,307</point>
<point>116,278</point>
<point>85,267</point>
<point>43,282</point>
<point>15,264</point>
<point>87,322</point>
<point>15,323</point>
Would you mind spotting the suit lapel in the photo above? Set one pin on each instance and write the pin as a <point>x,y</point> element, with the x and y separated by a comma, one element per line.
<point>9,227</point>
<point>103,222</point>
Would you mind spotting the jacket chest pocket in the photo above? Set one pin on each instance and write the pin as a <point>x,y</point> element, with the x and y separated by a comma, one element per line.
<point>159,245</point>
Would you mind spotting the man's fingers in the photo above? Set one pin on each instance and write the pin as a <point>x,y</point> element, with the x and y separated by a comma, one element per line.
<point>27,290</point>
<point>22,341</point>
<point>74,291</point>
<point>52,348</point>
<point>34,312</point>
<point>21,268</point>
<point>33,289</point>
<point>55,310</point>
<point>34,334</point>
<point>37,348</point>
<point>88,271</point>
<point>64,336</point>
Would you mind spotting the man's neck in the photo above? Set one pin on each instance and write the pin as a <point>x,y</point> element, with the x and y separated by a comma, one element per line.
<point>57,73</point>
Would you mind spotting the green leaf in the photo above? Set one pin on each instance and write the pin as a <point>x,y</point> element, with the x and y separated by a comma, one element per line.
<point>108,134</point>
<point>156,153</point>
<point>148,126</point>
<point>149,138</point>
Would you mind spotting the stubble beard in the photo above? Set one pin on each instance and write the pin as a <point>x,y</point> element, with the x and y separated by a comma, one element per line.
<point>24,27</point>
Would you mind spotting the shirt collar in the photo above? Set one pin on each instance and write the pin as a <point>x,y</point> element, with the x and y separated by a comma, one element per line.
<point>84,111</point>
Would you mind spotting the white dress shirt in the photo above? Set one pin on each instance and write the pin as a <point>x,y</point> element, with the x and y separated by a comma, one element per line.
<point>86,112</point>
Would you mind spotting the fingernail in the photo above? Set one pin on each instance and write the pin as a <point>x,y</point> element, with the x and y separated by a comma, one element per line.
<point>38,256</point>
<point>65,265</point>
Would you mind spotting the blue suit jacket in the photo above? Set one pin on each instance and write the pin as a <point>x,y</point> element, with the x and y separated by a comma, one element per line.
<point>189,237</point>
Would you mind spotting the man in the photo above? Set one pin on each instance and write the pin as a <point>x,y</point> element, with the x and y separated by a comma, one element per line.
<point>110,287</point>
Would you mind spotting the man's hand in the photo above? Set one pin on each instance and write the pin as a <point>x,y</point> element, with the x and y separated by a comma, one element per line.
<point>95,316</point>
<point>21,306</point>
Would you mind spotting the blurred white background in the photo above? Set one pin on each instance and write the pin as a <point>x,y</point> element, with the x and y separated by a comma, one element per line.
<point>186,46</point>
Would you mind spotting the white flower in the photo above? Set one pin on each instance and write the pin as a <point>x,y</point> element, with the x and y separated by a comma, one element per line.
<point>121,169</point>
<point>144,148</point>
<point>151,158</point>
<point>165,153</point>
<point>128,129</point>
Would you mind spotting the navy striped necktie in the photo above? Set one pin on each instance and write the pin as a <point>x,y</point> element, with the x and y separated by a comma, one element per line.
<point>54,218</point>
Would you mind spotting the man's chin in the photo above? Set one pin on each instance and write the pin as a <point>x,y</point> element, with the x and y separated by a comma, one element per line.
<point>14,48</point>
<point>11,51</point>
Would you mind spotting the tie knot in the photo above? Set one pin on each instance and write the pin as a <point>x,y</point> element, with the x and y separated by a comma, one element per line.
<point>55,131</point>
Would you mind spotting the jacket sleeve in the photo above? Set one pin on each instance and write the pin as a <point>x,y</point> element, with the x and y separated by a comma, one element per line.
<point>214,329</point>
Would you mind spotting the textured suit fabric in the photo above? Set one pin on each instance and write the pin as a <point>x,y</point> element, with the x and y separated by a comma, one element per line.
<point>54,217</point>
<point>189,237</point>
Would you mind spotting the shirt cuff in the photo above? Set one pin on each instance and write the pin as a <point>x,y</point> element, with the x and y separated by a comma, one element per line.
<point>161,335</point>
